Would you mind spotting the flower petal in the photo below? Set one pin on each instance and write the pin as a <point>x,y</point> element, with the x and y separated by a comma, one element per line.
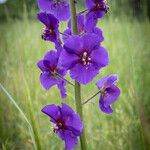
<point>61,10</point>
<point>89,3</point>
<point>66,109</point>
<point>53,112</point>
<point>100,57</point>
<point>99,13</point>
<point>99,33</point>
<point>74,45</point>
<point>66,34</point>
<point>72,120</point>
<point>111,95</point>
<point>47,81</point>
<point>58,46</point>
<point>74,124</point>
<point>109,98</point>
<point>61,86</point>
<point>48,19</point>
<point>41,65</point>
<point>45,5</point>
<point>103,108</point>
<point>90,42</point>
<point>107,81</point>
<point>90,21</point>
<point>83,74</point>
<point>52,57</point>
<point>70,139</point>
<point>68,60</point>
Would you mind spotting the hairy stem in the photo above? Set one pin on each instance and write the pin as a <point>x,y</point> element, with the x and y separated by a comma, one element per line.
<point>62,78</point>
<point>77,85</point>
<point>64,34</point>
<point>83,11</point>
<point>100,91</point>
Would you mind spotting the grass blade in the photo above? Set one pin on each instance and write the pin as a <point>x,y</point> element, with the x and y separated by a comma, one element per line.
<point>21,113</point>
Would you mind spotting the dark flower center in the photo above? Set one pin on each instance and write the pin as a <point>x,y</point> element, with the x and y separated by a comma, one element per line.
<point>101,6</point>
<point>51,68</point>
<point>103,90</point>
<point>85,58</point>
<point>48,32</point>
<point>57,127</point>
<point>53,72</point>
<point>59,124</point>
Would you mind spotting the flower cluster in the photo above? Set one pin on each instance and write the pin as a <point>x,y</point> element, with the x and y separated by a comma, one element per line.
<point>82,55</point>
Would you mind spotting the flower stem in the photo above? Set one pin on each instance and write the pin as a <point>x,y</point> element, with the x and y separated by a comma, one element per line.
<point>60,77</point>
<point>64,34</point>
<point>79,111</point>
<point>77,85</point>
<point>81,12</point>
<point>91,97</point>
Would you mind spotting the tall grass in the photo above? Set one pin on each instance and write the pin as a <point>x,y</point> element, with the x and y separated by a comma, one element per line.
<point>21,113</point>
<point>126,129</point>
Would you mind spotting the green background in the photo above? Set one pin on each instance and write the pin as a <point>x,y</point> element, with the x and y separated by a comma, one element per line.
<point>126,30</point>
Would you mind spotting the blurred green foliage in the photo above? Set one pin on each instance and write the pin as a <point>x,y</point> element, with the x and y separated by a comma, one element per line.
<point>16,8</point>
<point>119,8</point>
<point>126,129</point>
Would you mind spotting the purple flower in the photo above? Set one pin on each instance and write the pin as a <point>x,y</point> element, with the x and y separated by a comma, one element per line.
<point>83,28</point>
<point>110,92</point>
<point>84,56</point>
<point>50,70</point>
<point>59,8</point>
<point>97,7</point>
<point>68,125</point>
<point>50,33</point>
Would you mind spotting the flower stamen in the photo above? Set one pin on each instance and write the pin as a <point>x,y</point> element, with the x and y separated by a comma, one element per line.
<point>59,124</point>
<point>89,59</point>
<point>85,58</point>
<point>50,31</point>
<point>55,128</point>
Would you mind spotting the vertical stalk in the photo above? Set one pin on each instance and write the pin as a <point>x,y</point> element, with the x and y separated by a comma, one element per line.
<point>77,85</point>
<point>79,111</point>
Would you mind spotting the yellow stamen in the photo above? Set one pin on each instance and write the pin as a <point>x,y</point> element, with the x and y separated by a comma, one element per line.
<point>60,124</point>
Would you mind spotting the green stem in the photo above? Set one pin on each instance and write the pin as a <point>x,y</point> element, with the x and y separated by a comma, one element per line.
<point>79,111</point>
<point>77,85</point>
<point>100,91</point>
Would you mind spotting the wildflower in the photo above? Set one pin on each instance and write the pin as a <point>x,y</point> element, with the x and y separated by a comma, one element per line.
<point>83,56</point>
<point>59,8</point>
<point>67,124</point>
<point>97,7</point>
<point>110,92</point>
<point>83,28</point>
<point>50,71</point>
<point>50,33</point>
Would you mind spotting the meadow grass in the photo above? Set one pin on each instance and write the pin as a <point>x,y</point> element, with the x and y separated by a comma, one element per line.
<point>126,129</point>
